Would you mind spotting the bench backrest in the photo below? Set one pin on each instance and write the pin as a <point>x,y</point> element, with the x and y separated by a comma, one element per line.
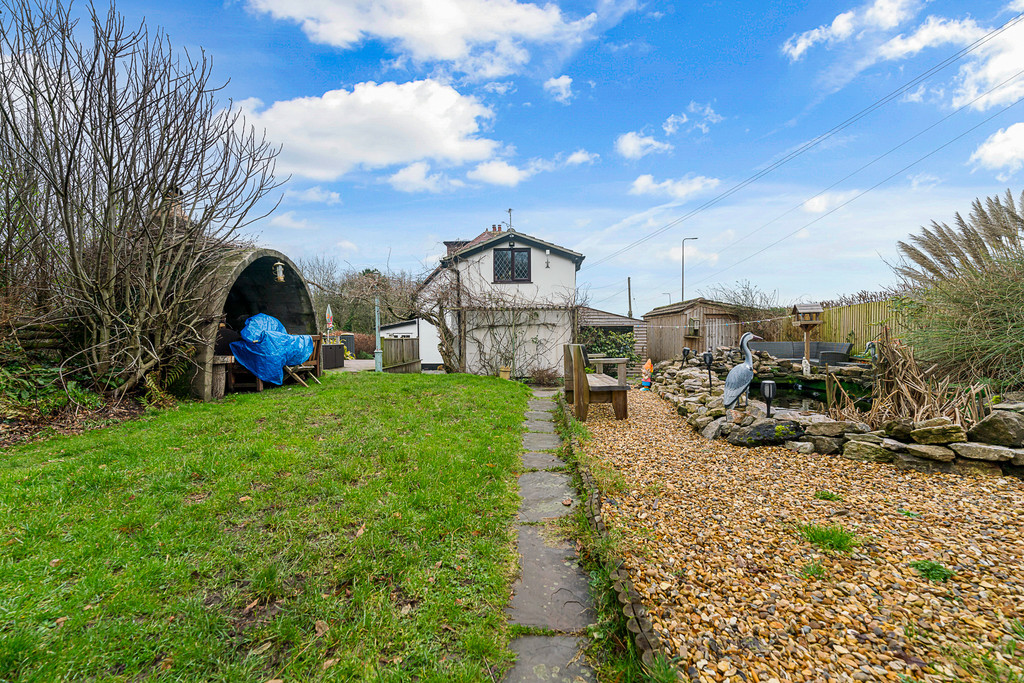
<point>567,367</point>
<point>581,388</point>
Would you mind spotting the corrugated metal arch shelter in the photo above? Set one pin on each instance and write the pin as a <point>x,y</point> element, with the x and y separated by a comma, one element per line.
<point>243,285</point>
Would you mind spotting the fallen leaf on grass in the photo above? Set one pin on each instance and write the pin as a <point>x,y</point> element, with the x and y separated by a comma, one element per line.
<point>167,664</point>
<point>329,663</point>
<point>60,621</point>
<point>360,530</point>
<point>54,563</point>
<point>261,649</point>
<point>248,608</point>
<point>321,628</point>
<point>406,609</point>
<point>245,499</point>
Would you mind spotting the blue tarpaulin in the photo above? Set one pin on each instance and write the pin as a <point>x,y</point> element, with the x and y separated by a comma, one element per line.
<point>266,347</point>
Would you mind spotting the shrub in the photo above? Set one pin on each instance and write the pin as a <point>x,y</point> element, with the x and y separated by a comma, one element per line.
<point>964,287</point>
<point>365,343</point>
<point>544,377</point>
<point>830,537</point>
<point>933,571</point>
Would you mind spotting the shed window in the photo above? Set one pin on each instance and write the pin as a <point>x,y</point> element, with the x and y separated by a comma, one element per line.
<point>512,265</point>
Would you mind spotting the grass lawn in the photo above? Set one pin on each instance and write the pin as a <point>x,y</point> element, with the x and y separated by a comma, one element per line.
<point>358,531</point>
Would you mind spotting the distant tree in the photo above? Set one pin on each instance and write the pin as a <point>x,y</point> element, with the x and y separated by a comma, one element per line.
<point>127,173</point>
<point>351,293</point>
<point>760,310</point>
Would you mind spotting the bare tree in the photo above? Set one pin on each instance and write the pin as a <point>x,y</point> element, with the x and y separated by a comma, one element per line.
<point>124,169</point>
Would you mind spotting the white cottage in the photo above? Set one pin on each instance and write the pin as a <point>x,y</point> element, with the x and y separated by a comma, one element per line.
<point>503,299</point>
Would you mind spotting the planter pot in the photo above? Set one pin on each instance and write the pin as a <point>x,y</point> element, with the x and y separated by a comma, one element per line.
<point>505,372</point>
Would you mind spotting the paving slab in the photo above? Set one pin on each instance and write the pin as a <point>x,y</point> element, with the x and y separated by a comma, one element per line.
<point>542,494</point>
<point>534,441</point>
<point>539,415</point>
<point>544,393</point>
<point>540,426</point>
<point>554,659</point>
<point>541,461</point>
<point>552,590</point>
<point>540,404</point>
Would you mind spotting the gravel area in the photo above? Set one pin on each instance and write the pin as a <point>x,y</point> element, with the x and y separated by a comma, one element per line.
<point>711,535</point>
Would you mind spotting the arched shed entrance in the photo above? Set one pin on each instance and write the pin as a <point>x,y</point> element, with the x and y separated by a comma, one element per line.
<point>245,284</point>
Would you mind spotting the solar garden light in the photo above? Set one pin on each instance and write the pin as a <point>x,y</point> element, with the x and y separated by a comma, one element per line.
<point>768,390</point>
<point>686,353</point>
<point>709,358</point>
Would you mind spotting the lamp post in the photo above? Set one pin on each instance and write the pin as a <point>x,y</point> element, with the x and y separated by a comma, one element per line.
<point>669,295</point>
<point>682,268</point>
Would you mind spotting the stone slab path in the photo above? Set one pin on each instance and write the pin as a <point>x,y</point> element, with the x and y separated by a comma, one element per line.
<point>552,592</point>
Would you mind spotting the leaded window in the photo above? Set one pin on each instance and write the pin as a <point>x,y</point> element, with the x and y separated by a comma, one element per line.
<point>512,265</point>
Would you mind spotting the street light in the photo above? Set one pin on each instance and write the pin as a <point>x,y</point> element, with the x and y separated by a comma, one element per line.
<point>682,268</point>
<point>669,295</point>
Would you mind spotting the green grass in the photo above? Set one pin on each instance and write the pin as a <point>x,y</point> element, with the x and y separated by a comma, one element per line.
<point>358,531</point>
<point>827,495</point>
<point>832,537</point>
<point>908,513</point>
<point>812,570</point>
<point>933,571</point>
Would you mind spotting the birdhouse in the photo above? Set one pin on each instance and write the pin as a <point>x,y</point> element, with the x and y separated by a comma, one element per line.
<point>807,315</point>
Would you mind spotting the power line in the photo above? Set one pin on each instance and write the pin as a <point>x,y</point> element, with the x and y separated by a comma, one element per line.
<point>873,187</point>
<point>814,142</point>
<point>871,163</point>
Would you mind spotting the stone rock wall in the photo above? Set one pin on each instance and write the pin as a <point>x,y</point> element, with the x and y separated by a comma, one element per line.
<point>993,447</point>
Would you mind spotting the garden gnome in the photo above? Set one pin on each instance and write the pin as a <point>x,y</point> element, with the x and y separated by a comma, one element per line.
<point>645,375</point>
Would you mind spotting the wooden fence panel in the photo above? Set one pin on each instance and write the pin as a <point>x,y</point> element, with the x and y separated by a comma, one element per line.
<point>861,323</point>
<point>400,355</point>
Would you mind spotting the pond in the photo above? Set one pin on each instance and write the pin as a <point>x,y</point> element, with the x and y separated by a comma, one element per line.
<point>798,397</point>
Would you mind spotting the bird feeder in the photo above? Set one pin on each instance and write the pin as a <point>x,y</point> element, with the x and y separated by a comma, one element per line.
<point>279,272</point>
<point>807,317</point>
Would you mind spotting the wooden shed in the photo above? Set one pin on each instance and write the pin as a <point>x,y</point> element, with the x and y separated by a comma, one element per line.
<point>699,324</point>
<point>613,322</point>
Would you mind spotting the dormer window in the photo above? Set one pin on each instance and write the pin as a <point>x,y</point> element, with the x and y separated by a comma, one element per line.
<point>512,265</point>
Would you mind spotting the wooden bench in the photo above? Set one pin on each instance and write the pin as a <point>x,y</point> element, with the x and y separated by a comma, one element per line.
<point>584,388</point>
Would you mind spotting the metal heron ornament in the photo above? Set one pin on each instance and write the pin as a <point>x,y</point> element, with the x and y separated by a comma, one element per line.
<point>738,380</point>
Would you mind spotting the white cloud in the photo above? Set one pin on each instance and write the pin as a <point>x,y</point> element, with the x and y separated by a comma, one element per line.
<point>500,87</point>
<point>694,255</point>
<point>676,189</point>
<point>880,15</point>
<point>672,123</point>
<point>827,201</point>
<point>934,32</point>
<point>1016,6</point>
<point>706,115</point>
<point>500,173</point>
<point>560,89</point>
<point>923,181</point>
<point>373,126</point>
<point>581,156</point>
<point>315,194</point>
<point>996,61</point>
<point>483,38</point>
<point>289,221</point>
<point>1003,150</point>
<point>345,245</point>
<point>416,177</point>
<point>634,146</point>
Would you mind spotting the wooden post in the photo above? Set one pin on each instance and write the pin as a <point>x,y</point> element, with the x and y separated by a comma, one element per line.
<point>807,344</point>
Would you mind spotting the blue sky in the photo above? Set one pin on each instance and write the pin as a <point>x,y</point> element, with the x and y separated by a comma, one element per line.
<point>408,122</point>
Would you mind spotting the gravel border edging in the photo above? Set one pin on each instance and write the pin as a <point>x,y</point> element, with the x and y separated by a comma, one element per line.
<point>648,644</point>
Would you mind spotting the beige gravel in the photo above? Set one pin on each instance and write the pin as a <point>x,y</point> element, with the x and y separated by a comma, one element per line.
<point>709,535</point>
